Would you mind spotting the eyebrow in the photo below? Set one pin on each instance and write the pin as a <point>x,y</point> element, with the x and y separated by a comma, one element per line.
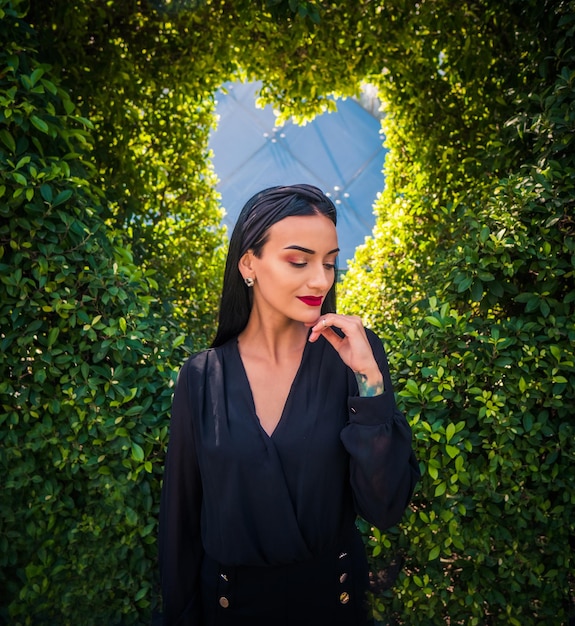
<point>307,250</point>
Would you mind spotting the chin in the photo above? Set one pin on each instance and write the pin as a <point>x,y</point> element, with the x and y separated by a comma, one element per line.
<point>310,318</point>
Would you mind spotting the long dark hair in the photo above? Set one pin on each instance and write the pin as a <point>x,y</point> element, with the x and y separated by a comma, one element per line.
<point>260,212</point>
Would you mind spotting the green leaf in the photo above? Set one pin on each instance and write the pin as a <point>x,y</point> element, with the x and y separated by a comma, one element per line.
<point>52,336</point>
<point>62,197</point>
<point>477,291</point>
<point>464,284</point>
<point>434,553</point>
<point>131,516</point>
<point>440,489</point>
<point>484,235</point>
<point>46,192</point>
<point>8,140</point>
<point>36,75</point>
<point>20,179</point>
<point>23,161</point>
<point>141,594</point>
<point>532,303</point>
<point>137,452</point>
<point>49,85</point>
<point>459,463</point>
<point>39,123</point>
<point>434,321</point>
<point>556,352</point>
<point>412,387</point>
<point>452,451</point>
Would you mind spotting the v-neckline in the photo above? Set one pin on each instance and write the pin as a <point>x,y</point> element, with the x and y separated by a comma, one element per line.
<point>250,393</point>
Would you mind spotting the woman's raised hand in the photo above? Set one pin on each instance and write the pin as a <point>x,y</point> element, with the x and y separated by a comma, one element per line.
<point>353,348</point>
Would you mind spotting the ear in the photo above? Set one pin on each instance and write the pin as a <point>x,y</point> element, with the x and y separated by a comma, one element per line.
<point>245,265</point>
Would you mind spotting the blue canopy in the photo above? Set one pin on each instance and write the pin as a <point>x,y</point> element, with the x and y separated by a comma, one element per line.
<point>340,152</point>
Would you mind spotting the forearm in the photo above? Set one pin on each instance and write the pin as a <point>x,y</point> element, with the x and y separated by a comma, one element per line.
<point>370,383</point>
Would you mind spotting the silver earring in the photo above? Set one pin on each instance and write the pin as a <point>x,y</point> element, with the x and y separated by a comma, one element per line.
<point>249,281</point>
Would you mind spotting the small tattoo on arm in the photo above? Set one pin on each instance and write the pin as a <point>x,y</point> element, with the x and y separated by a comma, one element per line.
<point>365,389</point>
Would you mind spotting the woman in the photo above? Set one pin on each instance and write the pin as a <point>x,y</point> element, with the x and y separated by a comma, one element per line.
<point>281,434</point>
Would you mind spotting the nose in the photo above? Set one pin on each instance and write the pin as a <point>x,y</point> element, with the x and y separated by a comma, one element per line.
<point>320,278</point>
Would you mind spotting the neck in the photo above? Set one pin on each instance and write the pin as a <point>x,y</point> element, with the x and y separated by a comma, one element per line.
<point>273,339</point>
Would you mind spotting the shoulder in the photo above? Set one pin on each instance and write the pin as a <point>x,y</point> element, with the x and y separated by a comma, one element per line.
<point>202,362</point>
<point>199,360</point>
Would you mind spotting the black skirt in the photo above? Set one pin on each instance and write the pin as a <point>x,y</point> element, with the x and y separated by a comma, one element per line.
<point>326,591</point>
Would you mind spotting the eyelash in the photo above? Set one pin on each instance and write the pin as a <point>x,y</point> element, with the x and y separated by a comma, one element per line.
<point>328,266</point>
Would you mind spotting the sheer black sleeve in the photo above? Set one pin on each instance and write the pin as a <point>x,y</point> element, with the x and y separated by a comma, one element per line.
<point>180,543</point>
<point>383,467</point>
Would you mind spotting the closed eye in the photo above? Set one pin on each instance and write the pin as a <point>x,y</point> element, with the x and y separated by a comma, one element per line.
<point>328,266</point>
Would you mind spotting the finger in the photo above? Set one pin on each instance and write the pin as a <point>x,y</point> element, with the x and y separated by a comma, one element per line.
<point>351,328</point>
<point>353,347</point>
<point>323,327</point>
<point>350,325</point>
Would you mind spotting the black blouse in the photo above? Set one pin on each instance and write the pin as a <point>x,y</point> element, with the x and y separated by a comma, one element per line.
<point>247,498</point>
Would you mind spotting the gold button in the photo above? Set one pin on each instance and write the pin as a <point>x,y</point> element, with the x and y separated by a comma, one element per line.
<point>224,602</point>
<point>344,597</point>
<point>343,577</point>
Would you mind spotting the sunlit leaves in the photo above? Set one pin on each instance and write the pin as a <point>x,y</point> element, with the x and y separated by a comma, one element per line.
<point>86,371</point>
<point>471,284</point>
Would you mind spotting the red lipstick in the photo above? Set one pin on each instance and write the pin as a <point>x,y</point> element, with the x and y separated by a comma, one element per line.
<point>311,300</point>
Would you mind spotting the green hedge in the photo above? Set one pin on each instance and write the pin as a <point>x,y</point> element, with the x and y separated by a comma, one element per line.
<point>110,244</point>
<point>85,371</point>
<point>482,335</point>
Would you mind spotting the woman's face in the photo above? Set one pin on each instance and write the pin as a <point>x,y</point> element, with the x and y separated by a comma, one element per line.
<point>296,268</point>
